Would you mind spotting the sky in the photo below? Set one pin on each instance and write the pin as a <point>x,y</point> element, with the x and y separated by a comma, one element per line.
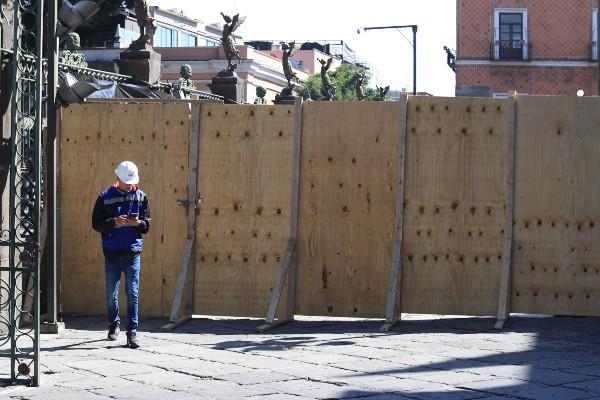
<point>388,52</point>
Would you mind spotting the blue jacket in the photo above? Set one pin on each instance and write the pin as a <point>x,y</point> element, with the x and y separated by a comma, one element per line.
<point>112,203</point>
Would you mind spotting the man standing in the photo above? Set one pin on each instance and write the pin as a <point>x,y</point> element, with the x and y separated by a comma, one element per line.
<point>122,214</point>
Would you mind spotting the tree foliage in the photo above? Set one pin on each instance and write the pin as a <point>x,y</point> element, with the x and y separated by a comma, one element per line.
<point>344,79</point>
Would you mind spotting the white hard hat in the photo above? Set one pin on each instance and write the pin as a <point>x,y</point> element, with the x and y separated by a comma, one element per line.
<point>127,172</point>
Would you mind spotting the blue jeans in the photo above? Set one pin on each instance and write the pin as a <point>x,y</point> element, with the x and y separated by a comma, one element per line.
<point>129,264</point>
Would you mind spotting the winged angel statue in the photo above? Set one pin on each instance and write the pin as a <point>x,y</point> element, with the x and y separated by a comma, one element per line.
<point>228,42</point>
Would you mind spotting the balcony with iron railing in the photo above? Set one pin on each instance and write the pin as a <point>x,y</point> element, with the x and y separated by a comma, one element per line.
<point>511,51</point>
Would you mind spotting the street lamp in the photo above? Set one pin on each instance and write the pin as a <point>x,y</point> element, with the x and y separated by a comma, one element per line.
<point>414,46</point>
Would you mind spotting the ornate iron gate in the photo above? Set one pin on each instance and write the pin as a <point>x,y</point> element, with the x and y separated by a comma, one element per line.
<point>19,286</point>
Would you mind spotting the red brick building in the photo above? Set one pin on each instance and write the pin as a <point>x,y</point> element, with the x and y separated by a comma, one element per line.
<point>529,46</point>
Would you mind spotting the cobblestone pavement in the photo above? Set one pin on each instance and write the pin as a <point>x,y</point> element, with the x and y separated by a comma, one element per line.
<point>424,357</point>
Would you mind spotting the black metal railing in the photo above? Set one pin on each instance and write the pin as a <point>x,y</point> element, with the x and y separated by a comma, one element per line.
<point>501,52</point>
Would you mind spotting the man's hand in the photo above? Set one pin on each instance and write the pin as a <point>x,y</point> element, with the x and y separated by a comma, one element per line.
<point>133,221</point>
<point>122,221</point>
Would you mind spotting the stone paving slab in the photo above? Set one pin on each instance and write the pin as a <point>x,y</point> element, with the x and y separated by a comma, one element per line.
<point>424,357</point>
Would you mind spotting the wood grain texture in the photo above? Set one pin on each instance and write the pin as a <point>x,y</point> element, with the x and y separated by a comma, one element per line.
<point>346,222</point>
<point>455,193</point>
<point>556,252</point>
<point>94,139</point>
<point>244,222</point>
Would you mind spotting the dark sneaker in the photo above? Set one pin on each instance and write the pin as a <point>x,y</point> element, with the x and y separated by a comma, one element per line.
<point>132,340</point>
<point>113,331</point>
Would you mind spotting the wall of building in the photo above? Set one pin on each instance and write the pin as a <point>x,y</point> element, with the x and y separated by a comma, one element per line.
<point>559,36</point>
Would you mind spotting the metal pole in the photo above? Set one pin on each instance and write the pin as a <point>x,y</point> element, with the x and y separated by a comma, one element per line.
<point>51,267</point>
<point>598,44</point>
<point>414,29</point>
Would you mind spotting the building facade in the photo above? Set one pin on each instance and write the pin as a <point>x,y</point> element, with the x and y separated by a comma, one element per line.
<point>541,47</point>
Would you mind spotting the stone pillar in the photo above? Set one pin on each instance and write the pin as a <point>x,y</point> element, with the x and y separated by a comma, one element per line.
<point>229,85</point>
<point>143,63</point>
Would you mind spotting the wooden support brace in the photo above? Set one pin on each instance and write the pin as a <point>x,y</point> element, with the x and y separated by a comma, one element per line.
<point>287,268</point>
<point>393,312</point>
<point>186,269</point>
<point>506,271</point>
<point>174,324</point>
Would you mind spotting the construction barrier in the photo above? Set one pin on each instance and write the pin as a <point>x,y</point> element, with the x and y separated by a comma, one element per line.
<point>471,206</point>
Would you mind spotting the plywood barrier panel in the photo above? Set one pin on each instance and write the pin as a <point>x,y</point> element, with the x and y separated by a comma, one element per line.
<point>245,172</point>
<point>454,204</point>
<point>556,252</point>
<point>94,139</point>
<point>346,221</point>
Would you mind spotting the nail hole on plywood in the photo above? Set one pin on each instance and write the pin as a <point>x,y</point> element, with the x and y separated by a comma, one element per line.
<point>421,209</point>
<point>202,258</point>
<point>570,295</point>
<point>289,111</point>
<point>330,309</point>
<point>526,224</point>
<point>578,227</point>
<point>254,234</point>
<point>245,259</point>
<point>487,259</point>
<point>535,294</point>
<point>271,112</point>
<point>218,134</point>
<point>435,258</point>
<point>454,205</point>
<point>280,133</point>
<point>464,131</point>
<point>475,259</point>
<point>330,159</point>
<point>252,113</point>
<point>532,267</point>
<point>498,108</point>
<point>450,230</point>
<point>446,108</point>
<point>432,108</point>
<point>425,258</point>
<point>428,233</point>
<point>167,122</point>
<point>359,185</point>
<point>341,184</point>
<point>226,112</point>
<point>410,257</point>
<point>491,131</point>
<point>591,224</point>
<point>354,161</point>
<point>413,129</point>
<point>572,249</point>
<point>447,256</point>
<point>473,209</point>
<point>461,258</point>
<point>517,294</point>
<point>216,211</point>
<point>355,309</point>
<point>439,130</point>
<point>209,113</point>
<point>483,109</point>
<point>437,210</point>
<point>418,108</point>
<point>558,132</point>
<point>585,270</point>
<point>259,210</point>
<point>468,109</point>
<point>418,233</point>
<point>345,208</point>
<point>236,207</point>
<point>247,134</point>
<point>553,224</point>
<point>264,258</point>
<point>279,211</point>
<point>216,259</point>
